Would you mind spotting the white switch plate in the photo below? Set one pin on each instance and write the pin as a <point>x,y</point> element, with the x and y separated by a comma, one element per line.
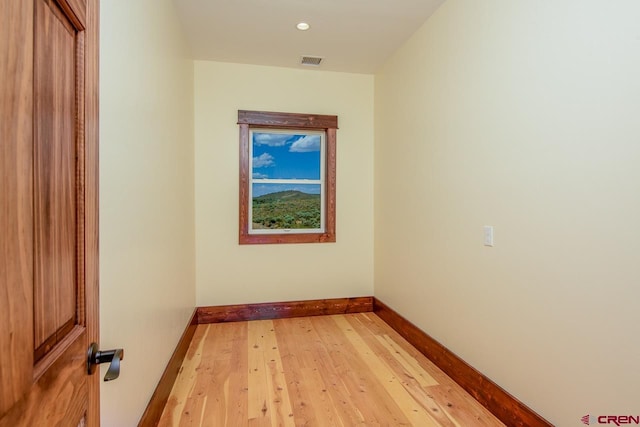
<point>488,235</point>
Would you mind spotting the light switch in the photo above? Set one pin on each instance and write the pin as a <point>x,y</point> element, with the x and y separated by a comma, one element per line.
<point>488,235</point>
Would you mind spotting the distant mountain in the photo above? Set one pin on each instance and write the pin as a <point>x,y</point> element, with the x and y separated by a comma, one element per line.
<point>286,195</point>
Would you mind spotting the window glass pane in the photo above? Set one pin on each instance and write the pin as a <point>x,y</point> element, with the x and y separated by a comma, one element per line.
<point>280,155</point>
<point>286,206</point>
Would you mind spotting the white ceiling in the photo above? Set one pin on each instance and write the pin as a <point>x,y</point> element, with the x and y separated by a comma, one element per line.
<point>354,36</point>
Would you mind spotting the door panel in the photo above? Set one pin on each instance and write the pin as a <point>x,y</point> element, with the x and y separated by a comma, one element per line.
<point>48,212</point>
<point>56,189</point>
<point>58,398</point>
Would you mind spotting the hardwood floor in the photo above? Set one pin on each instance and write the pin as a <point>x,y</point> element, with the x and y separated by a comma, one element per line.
<point>340,370</point>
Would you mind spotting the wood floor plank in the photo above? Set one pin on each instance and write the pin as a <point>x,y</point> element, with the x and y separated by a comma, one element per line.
<point>185,382</point>
<point>379,328</point>
<point>328,360</point>
<point>311,396</point>
<point>218,383</point>
<point>413,410</point>
<point>236,387</point>
<point>269,402</point>
<point>208,391</point>
<point>340,370</point>
<point>395,354</point>
<point>450,405</point>
<point>406,370</point>
<point>363,385</point>
<point>258,387</point>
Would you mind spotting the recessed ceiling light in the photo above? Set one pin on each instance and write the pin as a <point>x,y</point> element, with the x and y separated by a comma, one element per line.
<point>302,26</point>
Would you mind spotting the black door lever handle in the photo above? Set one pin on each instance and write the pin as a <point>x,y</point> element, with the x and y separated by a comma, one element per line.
<point>96,357</point>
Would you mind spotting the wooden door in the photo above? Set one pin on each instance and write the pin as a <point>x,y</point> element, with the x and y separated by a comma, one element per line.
<point>48,212</point>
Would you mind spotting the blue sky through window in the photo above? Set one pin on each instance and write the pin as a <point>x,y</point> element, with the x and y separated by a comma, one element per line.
<point>286,156</point>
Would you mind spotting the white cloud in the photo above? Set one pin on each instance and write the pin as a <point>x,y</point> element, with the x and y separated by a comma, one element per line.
<point>270,139</point>
<point>264,160</point>
<point>307,144</point>
<point>257,175</point>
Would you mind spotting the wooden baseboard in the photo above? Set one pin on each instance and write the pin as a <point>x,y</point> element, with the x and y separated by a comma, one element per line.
<point>160,396</point>
<point>281,310</point>
<point>504,406</point>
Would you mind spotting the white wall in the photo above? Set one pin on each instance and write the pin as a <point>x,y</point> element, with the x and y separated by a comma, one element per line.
<point>227,273</point>
<point>522,115</point>
<point>147,256</point>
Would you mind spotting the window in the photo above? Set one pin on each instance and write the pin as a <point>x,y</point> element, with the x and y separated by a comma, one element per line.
<point>287,177</point>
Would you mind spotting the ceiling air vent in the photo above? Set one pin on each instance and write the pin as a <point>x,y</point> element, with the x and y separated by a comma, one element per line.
<point>311,61</point>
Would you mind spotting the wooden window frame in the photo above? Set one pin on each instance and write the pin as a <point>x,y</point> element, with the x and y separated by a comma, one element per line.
<point>287,121</point>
